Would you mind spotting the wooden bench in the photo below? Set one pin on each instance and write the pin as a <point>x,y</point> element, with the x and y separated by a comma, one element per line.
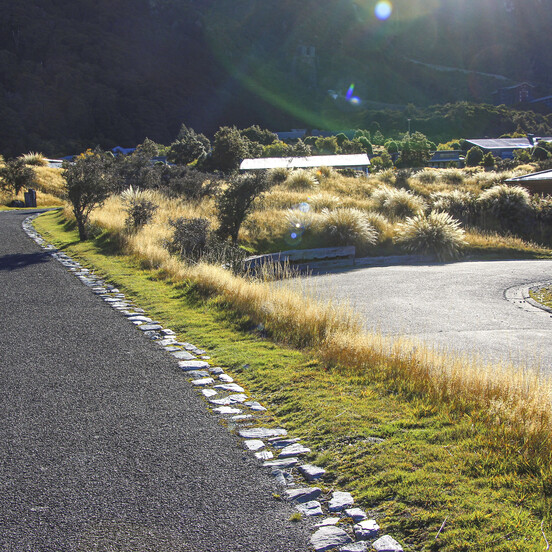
<point>297,256</point>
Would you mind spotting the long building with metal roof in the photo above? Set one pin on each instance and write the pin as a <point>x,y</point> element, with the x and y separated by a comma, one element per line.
<point>358,161</point>
<point>505,147</point>
<point>536,183</point>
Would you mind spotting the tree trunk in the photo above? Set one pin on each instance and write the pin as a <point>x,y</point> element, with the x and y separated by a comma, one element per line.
<point>83,235</point>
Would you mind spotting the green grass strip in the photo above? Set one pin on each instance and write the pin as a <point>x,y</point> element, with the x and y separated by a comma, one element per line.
<point>408,463</point>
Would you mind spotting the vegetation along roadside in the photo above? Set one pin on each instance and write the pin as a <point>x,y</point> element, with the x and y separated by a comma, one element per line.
<point>412,444</point>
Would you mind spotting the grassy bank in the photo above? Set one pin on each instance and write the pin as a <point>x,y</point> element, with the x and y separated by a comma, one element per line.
<point>401,431</point>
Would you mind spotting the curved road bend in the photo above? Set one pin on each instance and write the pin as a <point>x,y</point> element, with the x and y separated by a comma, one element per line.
<point>103,443</point>
<point>459,306</point>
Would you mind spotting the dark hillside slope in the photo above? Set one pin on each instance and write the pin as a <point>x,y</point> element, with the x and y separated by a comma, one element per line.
<point>84,72</point>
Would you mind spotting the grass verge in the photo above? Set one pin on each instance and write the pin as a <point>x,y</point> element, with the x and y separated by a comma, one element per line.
<point>543,296</point>
<point>410,461</point>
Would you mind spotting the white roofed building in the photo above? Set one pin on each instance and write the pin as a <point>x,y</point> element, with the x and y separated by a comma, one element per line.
<point>357,161</point>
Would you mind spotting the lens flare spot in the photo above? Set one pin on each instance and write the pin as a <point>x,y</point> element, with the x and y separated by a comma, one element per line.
<point>349,94</point>
<point>383,10</point>
<point>304,207</point>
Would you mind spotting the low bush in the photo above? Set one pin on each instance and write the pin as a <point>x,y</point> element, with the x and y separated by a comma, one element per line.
<point>188,183</point>
<point>193,242</point>
<point>397,203</point>
<point>437,233</point>
<point>189,238</point>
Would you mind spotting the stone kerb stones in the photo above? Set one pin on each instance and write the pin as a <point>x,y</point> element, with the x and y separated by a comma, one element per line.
<point>329,537</point>
<point>340,500</point>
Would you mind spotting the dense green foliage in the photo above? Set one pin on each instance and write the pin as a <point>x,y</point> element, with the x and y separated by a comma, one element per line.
<point>89,182</point>
<point>15,176</point>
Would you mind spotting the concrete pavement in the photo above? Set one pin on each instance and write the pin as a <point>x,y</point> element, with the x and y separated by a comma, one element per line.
<point>461,307</point>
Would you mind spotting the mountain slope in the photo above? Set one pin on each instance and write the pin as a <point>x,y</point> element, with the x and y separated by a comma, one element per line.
<point>85,72</point>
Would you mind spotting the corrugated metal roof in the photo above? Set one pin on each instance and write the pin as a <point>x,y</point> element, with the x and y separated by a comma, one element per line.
<point>501,143</point>
<point>541,175</point>
<point>356,160</point>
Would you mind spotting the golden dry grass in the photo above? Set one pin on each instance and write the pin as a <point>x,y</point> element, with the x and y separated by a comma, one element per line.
<point>513,402</point>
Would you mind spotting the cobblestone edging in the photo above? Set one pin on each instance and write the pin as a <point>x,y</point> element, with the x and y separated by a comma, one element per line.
<point>342,526</point>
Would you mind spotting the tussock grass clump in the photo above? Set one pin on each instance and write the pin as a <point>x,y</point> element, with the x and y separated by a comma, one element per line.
<point>452,176</point>
<point>140,207</point>
<point>278,175</point>
<point>504,200</point>
<point>34,158</point>
<point>437,233</point>
<point>427,176</point>
<point>397,203</point>
<point>324,173</point>
<point>322,201</point>
<point>505,207</point>
<point>387,176</point>
<point>347,226</point>
<point>460,204</point>
<point>301,180</point>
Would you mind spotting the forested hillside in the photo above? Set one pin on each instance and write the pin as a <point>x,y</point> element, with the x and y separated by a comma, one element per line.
<point>84,72</point>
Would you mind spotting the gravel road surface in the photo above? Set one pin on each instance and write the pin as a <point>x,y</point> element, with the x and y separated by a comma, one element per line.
<point>463,307</point>
<point>104,446</point>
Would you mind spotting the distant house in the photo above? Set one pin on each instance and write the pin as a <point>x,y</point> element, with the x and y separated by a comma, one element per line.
<point>443,158</point>
<point>511,95</point>
<point>357,161</point>
<point>504,148</point>
<point>294,134</point>
<point>536,183</point>
<point>545,101</point>
<point>123,151</point>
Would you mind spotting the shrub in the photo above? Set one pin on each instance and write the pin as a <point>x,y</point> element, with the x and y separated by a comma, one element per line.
<point>88,183</point>
<point>189,238</point>
<point>190,183</point>
<point>15,175</point>
<point>193,242</point>
<point>474,157</point>
<point>488,161</point>
<point>229,148</point>
<point>236,202</point>
<point>397,203</point>
<point>35,159</point>
<point>457,203</point>
<point>189,147</point>
<point>301,180</point>
<point>507,208</point>
<point>347,226</point>
<point>139,208</point>
<point>436,233</point>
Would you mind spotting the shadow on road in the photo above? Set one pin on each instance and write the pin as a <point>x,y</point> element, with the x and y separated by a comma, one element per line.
<point>17,261</point>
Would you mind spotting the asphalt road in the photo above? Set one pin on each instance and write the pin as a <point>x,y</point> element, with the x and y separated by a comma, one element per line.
<point>104,446</point>
<point>461,307</point>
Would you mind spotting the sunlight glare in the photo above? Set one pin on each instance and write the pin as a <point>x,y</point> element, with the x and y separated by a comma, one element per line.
<point>383,10</point>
